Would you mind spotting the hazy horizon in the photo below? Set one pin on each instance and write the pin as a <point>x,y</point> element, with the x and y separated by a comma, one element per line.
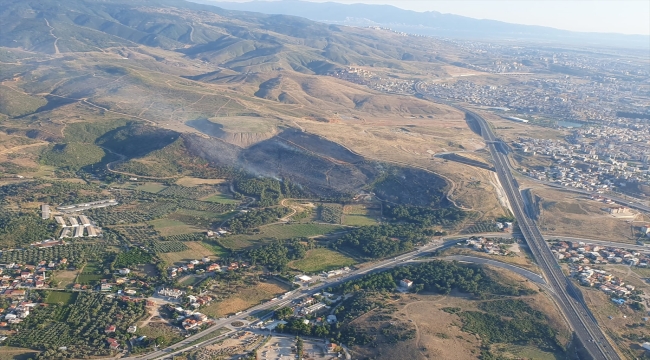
<point>629,17</point>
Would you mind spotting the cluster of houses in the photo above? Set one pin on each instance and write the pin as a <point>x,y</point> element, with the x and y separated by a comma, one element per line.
<point>16,313</point>
<point>594,165</point>
<point>316,303</point>
<point>203,265</point>
<point>493,246</point>
<point>604,281</point>
<point>335,273</point>
<point>17,276</point>
<point>306,279</point>
<point>114,344</point>
<point>198,301</point>
<point>189,319</point>
<point>582,253</point>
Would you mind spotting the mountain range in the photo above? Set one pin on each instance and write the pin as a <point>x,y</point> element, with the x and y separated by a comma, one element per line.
<point>430,23</point>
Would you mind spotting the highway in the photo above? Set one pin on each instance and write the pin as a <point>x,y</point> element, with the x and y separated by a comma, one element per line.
<point>613,244</point>
<point>567,296</point>
<point>399,260</point>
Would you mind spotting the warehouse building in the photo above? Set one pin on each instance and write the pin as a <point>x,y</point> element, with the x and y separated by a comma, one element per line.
<point>79,231</point>
<point>84,220</point>
<point>60,221</point>
<point>45,211</point>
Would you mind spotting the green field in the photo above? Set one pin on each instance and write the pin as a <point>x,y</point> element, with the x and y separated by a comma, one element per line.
<point>190,280</point>
<point>222,199</point>
<point>322,259</point>
<point>215,247</point>
<point>167,227</point>
<point>148,187</point>
<point>55,297</point>
<point>358,220</point>
<point>89,274</point>
<point>88,279</point>
<point>279,231</point>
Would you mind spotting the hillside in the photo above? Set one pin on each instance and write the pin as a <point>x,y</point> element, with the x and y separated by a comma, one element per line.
<point>230,85</point>
<point>431,23</point>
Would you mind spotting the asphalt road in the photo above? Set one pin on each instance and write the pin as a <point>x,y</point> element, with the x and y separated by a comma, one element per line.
<point>639,248</point>
<point>568,298</point>
<point>296,294</point>
<point>514,268</point>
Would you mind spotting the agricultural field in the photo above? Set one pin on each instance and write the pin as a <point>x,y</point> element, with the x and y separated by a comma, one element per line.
<point>63,297</point>
<point>91,274</point>
<point>65,278</point>
<point>168,246</point>
<point>137,233</point>
<point>321,259</point>
<point>193,192</point>
<point>79,324</point>
<point>214,245</point>
<point>221,199</point>
<point>358,220</point>
<point>279,231</point>
<point>361,215</point>
<point>196,250</point>
<point>330,213</point>
<point>186,237</point>
<point>76,253</point>
<point>16,353</point>
<point>151,187</point>
<point>133,257</point>
<point>133,213</point>
<point>192,181</point>
<point>245,298</point>
<point>202,219</point>
<point>168,227</point>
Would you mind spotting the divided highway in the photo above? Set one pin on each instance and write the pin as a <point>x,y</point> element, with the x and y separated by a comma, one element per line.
<point>399,260</point>
<point>568,297</point>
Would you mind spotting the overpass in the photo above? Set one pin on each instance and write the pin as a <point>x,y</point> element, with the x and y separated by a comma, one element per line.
<point>568,298</point>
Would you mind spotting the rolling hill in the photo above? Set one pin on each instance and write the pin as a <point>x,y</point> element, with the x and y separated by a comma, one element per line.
<point>430,23</point>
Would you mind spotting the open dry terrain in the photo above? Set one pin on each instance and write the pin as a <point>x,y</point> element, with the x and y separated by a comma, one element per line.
<point>572,214</point>
<point>197,251</point>
<point>246,298</point>
<point>439,333</point>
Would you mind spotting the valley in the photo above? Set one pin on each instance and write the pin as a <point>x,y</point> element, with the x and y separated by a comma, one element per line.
<point>243,180</point>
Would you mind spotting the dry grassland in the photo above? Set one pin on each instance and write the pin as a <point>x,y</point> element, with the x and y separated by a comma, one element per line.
<point>511,130</point>
<point>13,353</point>
<point>473,188</point>
<point>192,181</point>
<point>413,142</point>
<point>520,259</point>
<point>65,278</point>
<point>572,214</point>
<point>196,251</point>
<point>246,298</point>
<point>439,334</point>
<point>617,321</point>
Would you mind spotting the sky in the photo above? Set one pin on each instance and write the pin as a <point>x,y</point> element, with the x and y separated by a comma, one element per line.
<point>613,16</point>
